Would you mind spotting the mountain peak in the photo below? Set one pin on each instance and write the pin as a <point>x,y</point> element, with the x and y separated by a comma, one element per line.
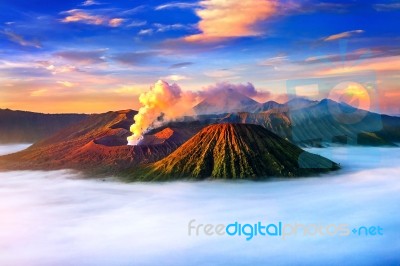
<point>238,151</point>
<point>300,102</point>
<point>226,101</point>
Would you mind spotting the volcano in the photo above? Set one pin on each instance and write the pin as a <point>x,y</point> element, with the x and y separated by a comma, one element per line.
<point>235,151</point>
<point>99,144</point>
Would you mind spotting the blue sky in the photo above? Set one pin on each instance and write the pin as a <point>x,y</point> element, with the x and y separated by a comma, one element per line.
<point>92,56</point>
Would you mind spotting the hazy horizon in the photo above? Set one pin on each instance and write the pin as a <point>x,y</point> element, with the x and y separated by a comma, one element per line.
<point>117,110</point>
<point>90,56</point>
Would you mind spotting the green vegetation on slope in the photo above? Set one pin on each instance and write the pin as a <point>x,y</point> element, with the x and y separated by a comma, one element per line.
<point>238,151</point>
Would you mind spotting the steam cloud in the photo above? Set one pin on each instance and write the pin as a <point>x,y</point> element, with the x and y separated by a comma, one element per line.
<point>165,102</point>
<point>161,103</point>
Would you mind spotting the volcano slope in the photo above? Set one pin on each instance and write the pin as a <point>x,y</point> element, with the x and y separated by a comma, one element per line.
<point>99,145</point>
<point>238,151</point>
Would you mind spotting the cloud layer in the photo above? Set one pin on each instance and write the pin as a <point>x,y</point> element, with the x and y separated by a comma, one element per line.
<point>58,218</point>
<point>83,16</point>
<point>226,19</point>
<point>342,35</point>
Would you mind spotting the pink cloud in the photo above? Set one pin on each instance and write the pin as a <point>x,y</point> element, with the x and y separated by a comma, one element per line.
<point>115,22</point>
<point>342,35</point>
<point>78,15</point>
<point>228,19</point>
<point>380,64</point>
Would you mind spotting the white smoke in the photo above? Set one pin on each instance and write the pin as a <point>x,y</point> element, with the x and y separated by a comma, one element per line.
<point>161,103</point>
<point>165,102</point>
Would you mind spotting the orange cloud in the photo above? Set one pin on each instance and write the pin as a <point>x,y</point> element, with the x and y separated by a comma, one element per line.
<point>78,15</point>
<point>128,90</point>
<point>39,92</point>
<point>66,84</point>
<point>391,63</point>
<point>115,22</point>
<point>342,35</point>
<point>222,19</point>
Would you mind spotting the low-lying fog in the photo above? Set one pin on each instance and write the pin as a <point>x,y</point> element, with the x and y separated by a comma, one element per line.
<point>55,218</point>
<point>11,148</point>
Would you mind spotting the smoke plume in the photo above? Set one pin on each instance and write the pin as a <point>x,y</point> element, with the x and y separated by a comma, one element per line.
<point>165,102</point>
<point>161,103</point>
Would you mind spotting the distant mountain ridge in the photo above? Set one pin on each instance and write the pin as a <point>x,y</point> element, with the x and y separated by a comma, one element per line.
<point>225,101</point>
<point>301,121</point>
<point>231,101</point>
<point>29,127</point>
<point>313,123</point>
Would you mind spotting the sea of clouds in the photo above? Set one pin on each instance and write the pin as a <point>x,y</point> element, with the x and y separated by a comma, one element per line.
<point>11,148</point>
<point>57,218</point>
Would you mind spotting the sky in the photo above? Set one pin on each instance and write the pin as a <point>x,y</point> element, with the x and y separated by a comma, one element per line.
<point>98,55</point>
